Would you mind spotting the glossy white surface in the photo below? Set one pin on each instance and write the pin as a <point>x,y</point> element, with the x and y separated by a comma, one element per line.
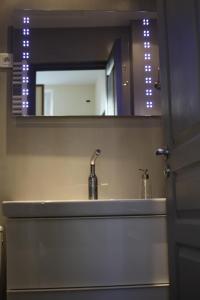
<point>72,252</point>
<point>90,249</point>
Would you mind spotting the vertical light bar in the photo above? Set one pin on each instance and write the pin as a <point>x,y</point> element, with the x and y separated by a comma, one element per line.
<point>25,63</point>
<point>148,92</point>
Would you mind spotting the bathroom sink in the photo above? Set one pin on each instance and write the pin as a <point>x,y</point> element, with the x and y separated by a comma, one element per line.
<point>69,208</point>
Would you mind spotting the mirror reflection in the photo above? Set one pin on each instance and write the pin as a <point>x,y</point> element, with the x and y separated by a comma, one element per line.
<point>91,63</point>
<point>78,92</point>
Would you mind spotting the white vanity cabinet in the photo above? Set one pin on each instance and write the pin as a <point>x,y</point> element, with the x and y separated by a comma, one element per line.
<point>104,249</point>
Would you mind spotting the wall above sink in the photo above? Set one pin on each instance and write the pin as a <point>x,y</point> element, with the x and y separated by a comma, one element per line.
<point>85,63</point>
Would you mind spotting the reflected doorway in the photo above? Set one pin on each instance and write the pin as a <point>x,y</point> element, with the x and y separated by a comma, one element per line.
<point>71,92</point>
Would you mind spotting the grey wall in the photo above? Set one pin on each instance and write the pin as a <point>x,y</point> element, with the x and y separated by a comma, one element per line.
<point>47,160</point>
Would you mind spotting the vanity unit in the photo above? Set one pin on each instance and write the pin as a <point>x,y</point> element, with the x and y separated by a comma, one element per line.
<point>78,250</point>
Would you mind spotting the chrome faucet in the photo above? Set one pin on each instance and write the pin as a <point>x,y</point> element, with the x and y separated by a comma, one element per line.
<point>92,180</point>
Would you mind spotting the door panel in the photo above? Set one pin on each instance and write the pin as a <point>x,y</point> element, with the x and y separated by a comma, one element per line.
<point>180,78</point>
<point>186,153</point>
<point>188,232</point>
<point>183,63</point>
<point>189,270</point>
<point>187,189</point>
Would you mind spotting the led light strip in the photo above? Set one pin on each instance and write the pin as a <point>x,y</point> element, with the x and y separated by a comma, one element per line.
<point>147,64</point>
<point>25,64</point>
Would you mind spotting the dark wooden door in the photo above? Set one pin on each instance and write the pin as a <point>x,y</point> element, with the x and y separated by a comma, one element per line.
<point>179,24</point>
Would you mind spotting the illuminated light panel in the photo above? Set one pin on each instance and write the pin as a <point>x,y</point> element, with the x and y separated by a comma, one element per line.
<point>146,33</point>
<point>147,45</point>
<point>149,104</point>
<point>26,43</point>
<point>148,80</point>
<point>148,92</point>
<point>26,31</point>
<point>147,68</point>
<point>25,92</point>
<point>25,104</point>
<point>25,63</point>
<point>26,20</point>
<point>147,56</point>
<point>25,79</point>
<point>25,55</point>
<point>146,22</point>
<point>25,67</point>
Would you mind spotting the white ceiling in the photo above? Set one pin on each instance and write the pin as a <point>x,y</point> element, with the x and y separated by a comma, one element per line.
<point>82,77</point>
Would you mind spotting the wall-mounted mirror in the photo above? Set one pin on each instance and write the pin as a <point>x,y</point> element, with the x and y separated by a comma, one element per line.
<point>85,63</point>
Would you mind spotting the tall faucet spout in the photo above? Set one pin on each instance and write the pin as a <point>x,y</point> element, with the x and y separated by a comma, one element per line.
<point>94,157</point>
<point>92,180</point>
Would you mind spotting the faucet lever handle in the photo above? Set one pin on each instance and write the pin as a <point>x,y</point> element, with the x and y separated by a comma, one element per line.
<point>163,151</point>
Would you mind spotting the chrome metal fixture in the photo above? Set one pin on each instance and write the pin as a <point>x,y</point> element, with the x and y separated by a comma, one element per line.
<point>163,151</point>
<point>92,180</point>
